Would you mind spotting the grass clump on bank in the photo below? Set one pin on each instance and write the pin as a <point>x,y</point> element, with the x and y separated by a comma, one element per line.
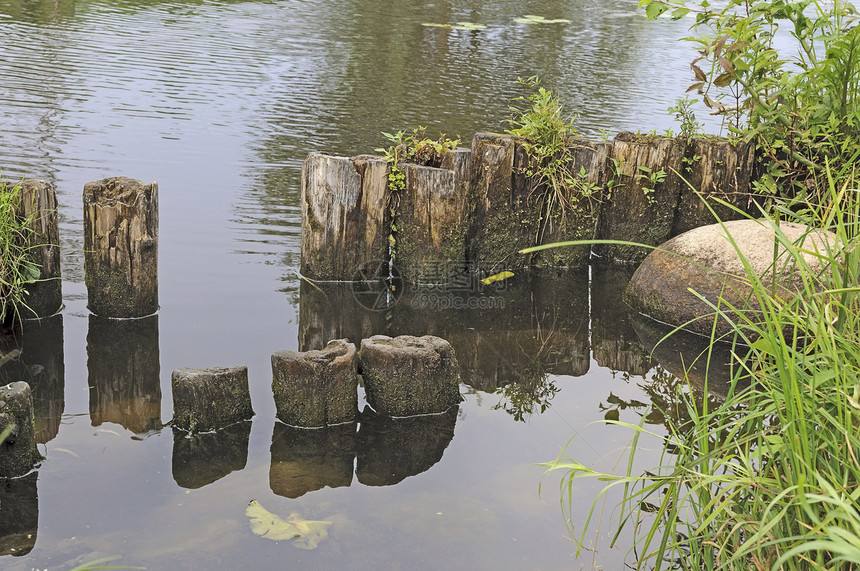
<point>769,478</point>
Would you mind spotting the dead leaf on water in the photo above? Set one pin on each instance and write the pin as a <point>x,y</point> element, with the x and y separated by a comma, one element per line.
<point>305,534</point>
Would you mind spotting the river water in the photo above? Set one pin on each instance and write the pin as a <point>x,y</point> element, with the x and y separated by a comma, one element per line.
<point>220,102</point>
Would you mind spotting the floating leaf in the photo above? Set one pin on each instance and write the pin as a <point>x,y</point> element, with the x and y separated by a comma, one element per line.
<point>497,277</point>
<point>532,19</point>
<point>457,26</point>
<point>306,534</point>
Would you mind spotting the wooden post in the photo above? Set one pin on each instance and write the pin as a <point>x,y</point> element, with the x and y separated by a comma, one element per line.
<point>18,451</point>
<point>578,219</point>
<point>641,197</point>
<point>503,218</point>
<point>39,200</point>
<point>431,217</point>
<point>121,247</point>
<point>344,204</point>
<point>715,168</point>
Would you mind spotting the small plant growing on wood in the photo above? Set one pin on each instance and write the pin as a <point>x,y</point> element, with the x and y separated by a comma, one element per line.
<point>684,114</point>
<point>549,138</point>
<point>414,147</point>
<point>17,270</point>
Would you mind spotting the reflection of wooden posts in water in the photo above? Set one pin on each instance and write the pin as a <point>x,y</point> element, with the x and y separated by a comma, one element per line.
<point>343,215</point>
<point>121,247</point>
<point>613,339</point>
<point>123,364</point>
<point>19,514</point>
<point>306,460</point>
<point>39,200</point>
<point>42,367</point>
<point>393,449</point>
<point>202,458</point>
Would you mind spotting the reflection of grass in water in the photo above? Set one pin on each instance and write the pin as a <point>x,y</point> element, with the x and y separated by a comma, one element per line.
<point>770,477</point>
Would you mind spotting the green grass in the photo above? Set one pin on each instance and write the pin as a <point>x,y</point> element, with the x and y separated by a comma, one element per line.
<point>770,477</point>
<point>16,268</point>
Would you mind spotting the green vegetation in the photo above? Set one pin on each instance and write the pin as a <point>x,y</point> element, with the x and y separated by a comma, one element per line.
<point>16,268</point>
<point>769,478</point>
<point>783,74</point>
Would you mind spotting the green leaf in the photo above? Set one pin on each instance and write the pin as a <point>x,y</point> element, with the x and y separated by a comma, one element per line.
<point>305,534</point>
<point>532,19</point>
<point>653,11</point>
<point>679,13</point>
<point>497,277</point>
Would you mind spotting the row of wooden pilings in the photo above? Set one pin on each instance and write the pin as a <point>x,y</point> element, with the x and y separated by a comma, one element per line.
<point>121,274</point>
<point>120,247</point>
<point>480,208</point>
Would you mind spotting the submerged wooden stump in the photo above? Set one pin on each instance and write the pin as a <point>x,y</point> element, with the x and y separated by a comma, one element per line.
<point>408,375</point>
<point>642,195</point>
<point>430,218</point>
<point>316,388</point>
<point>18,453</point>
<point>344,214</point>
<point>209,399</point>
<point>39,200</point>
<point>121,247</point>
<point>19,514</point>
<point>715,169</point>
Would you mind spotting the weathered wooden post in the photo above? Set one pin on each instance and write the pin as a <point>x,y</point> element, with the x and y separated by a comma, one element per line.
<point>406,375</point>
<point>344,215</point>
<point>430,217</point>
<point>209,399</point>
<point>642,195</point>
<point>121,247</point>
<point>316,388</point>
<point>18,452</point>
<point>39,201</point>
<point>715,168</point>
<point>504,217</point>
<point>577,219</point>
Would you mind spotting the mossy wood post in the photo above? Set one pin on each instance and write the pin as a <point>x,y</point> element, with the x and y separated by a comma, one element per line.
<point>344,204</point>
<point>504,216</point>
<point>716,169</point>
<point>316,388</point>
<point>405,375</point>
<point>639,207</point>
<point>430,219</point>
<point>18,453</point>
<point>121,247</point>
<point>39,200</point>
<point>578,219</point>
<point>209,399</point>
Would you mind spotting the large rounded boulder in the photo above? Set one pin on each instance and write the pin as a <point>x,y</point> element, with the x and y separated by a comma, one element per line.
<point>709,261</point>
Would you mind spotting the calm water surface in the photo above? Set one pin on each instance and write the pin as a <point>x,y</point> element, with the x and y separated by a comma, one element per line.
<point>220,102</point>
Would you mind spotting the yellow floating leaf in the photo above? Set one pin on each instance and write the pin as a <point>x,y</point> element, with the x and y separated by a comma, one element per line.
<point>497,277</point>
<point>305,533</point>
